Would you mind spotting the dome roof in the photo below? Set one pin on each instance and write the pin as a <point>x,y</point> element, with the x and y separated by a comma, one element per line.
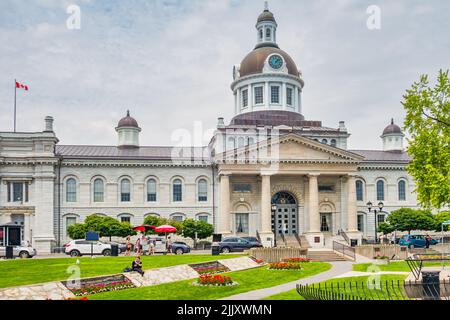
<point>128,121</point>
<point>266,15</point>
<point>253,63</point>
<point>392,129</point>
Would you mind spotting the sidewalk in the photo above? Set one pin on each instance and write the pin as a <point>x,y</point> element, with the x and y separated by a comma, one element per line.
<point>337,269</point>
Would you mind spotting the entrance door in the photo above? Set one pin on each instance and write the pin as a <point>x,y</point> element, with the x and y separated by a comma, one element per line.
<point>285,216</point>
<point>326,222</point>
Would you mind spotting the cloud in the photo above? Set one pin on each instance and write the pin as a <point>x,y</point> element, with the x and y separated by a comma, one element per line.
<point>170,62</point>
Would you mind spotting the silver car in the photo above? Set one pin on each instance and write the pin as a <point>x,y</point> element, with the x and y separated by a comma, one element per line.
<point>19,252</point>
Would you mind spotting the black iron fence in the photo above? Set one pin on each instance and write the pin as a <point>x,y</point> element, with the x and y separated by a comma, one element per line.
<point>344,250</point>
<point>376,290</point>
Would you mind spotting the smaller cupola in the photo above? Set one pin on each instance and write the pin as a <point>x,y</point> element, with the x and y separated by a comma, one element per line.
<point>392,137</point>
<point>128,132</point>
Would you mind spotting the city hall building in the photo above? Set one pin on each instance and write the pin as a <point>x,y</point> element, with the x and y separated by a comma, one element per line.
<point>270,172</point>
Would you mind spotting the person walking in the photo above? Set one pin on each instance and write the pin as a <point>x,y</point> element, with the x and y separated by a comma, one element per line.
<point>138,246</point>
<point>427,241</point>
<point>128,246</point>
<point>169,245</point>
<point>151,247</point>
<point>393,238</point>
<point>144,244</point>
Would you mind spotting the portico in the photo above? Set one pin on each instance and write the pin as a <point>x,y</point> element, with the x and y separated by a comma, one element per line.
<point>308,176</point>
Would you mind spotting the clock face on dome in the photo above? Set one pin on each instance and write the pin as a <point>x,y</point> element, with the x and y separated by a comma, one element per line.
<point>276,61</point>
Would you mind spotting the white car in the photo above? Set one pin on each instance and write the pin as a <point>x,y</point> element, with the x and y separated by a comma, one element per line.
<point>77,248</point>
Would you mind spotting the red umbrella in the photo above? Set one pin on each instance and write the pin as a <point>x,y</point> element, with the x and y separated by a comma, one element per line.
<point>143,228</point>
<point>166,229</point>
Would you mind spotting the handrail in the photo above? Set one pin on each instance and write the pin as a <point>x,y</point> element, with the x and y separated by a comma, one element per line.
<point>258,236</point>
<point>344,250</point>
<point>283,238</point>
<point>344,235</point>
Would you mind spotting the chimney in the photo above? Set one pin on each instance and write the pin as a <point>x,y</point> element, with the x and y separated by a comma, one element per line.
<point>48,124</point>
<point>220,123</point>
<point>342,126</point>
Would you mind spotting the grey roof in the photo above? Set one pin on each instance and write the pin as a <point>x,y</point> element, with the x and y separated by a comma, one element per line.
<point>142,153</point>
<point>383,156</point>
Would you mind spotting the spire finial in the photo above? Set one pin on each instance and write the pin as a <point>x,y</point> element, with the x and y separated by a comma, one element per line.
<point>128,113</point>
<point>266,6</point>
<point>392,121</point>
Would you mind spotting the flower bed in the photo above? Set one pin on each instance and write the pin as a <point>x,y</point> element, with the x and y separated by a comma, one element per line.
<point>99,284</point>
<point>296,260</point>
<point>127,284</point>
<point>215,281</point>
<point>258,261</point>
<point>209,268</point>
<point>285,266</point>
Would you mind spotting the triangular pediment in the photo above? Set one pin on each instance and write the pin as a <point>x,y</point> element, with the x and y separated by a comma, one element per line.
<point>292,148</point>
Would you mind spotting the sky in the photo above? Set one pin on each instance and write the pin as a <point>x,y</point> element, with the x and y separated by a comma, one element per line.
<point>170,63</point>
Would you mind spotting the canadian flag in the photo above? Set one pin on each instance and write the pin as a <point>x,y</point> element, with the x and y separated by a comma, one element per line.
<point>21,86</point>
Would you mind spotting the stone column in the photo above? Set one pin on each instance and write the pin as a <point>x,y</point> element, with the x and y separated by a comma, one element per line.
<point>351,205</point>
<point>224,221</point>
<point>314,217</point>
<point>266,205</point>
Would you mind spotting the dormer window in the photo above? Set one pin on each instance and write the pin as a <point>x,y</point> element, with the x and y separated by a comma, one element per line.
<point>244,98</point>
<point>275,94</point>
<point>259,95</point>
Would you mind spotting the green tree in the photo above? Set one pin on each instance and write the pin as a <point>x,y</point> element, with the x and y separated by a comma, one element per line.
<point>158,221</point>
<point>105,226</point>
<point>428,124</point>
<point>202,229</point>
<point>440,218</point>
<point>386,228</point>
<point>407,219</point>
<point>77,231</point>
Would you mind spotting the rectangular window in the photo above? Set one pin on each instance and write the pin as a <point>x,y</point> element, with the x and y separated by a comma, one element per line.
<point>203,218</point>
<point>241,222</point>
<point>381,218</point>
<point>360,223</point>
<point>125,219</point>
<point>177,193</point>
<point>242,187</point>
<point>289,96</point>
<point>326,188</point>
<point>17,192</point>
<point>259,95</point>
<point>245,98</point>
<point>275,94</point>
<point>70,221</point>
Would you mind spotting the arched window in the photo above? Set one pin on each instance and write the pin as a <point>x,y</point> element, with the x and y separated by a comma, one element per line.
<point>359,191</point>
<point>203,217</point>
<point>231,143</point>
<point>268,33</point>
<point>125,190</point>
<point>333,142</point>
<point>402,190</point>
<point>125,217</point>
<point>99,190</point>
<point>241,142</point>
<point>202,190</point>
<point>71,190</point>
<point>260,34</point>
<point>177,217</point>
<point>324,141</point>
<point>151,190</point>
<point>380,190</point>
<point>177,190</point>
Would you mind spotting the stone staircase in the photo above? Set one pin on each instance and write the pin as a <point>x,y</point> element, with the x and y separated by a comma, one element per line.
<point>292,242</point>
<point>325,256</point>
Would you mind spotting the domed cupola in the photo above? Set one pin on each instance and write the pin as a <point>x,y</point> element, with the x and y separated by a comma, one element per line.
<point>267,78</point>
<point>128,132</point>
<point>392,137</point>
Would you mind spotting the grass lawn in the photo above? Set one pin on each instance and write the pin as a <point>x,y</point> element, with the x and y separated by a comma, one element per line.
<point>393,266</point>
<point>293,294</point>
<point>31,271</point>
<point>248,280</point>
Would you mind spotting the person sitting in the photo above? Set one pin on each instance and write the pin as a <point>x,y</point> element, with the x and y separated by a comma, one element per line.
<point>137,266</point>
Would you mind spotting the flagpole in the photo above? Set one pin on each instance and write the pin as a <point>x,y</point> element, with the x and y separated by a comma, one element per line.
<point>15,98</point>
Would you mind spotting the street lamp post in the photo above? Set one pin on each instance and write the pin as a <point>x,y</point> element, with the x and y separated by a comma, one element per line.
<point>375,211</point>
<point>274,209</point>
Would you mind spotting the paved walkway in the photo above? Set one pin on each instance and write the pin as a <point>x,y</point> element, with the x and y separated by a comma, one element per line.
<point>337,269</point>
<point>362,274</point>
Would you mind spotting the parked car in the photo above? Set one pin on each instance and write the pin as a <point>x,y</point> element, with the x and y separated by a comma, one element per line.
<point>235,244</point>
<point>77,248</point>
<point>417,241</point>
<point>252,240</point>
<point>22,252</point>
<point>180,248</point>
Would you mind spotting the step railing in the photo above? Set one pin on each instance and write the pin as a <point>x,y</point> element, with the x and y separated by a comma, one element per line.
<point>345,250</point>
<point>344,235</point>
